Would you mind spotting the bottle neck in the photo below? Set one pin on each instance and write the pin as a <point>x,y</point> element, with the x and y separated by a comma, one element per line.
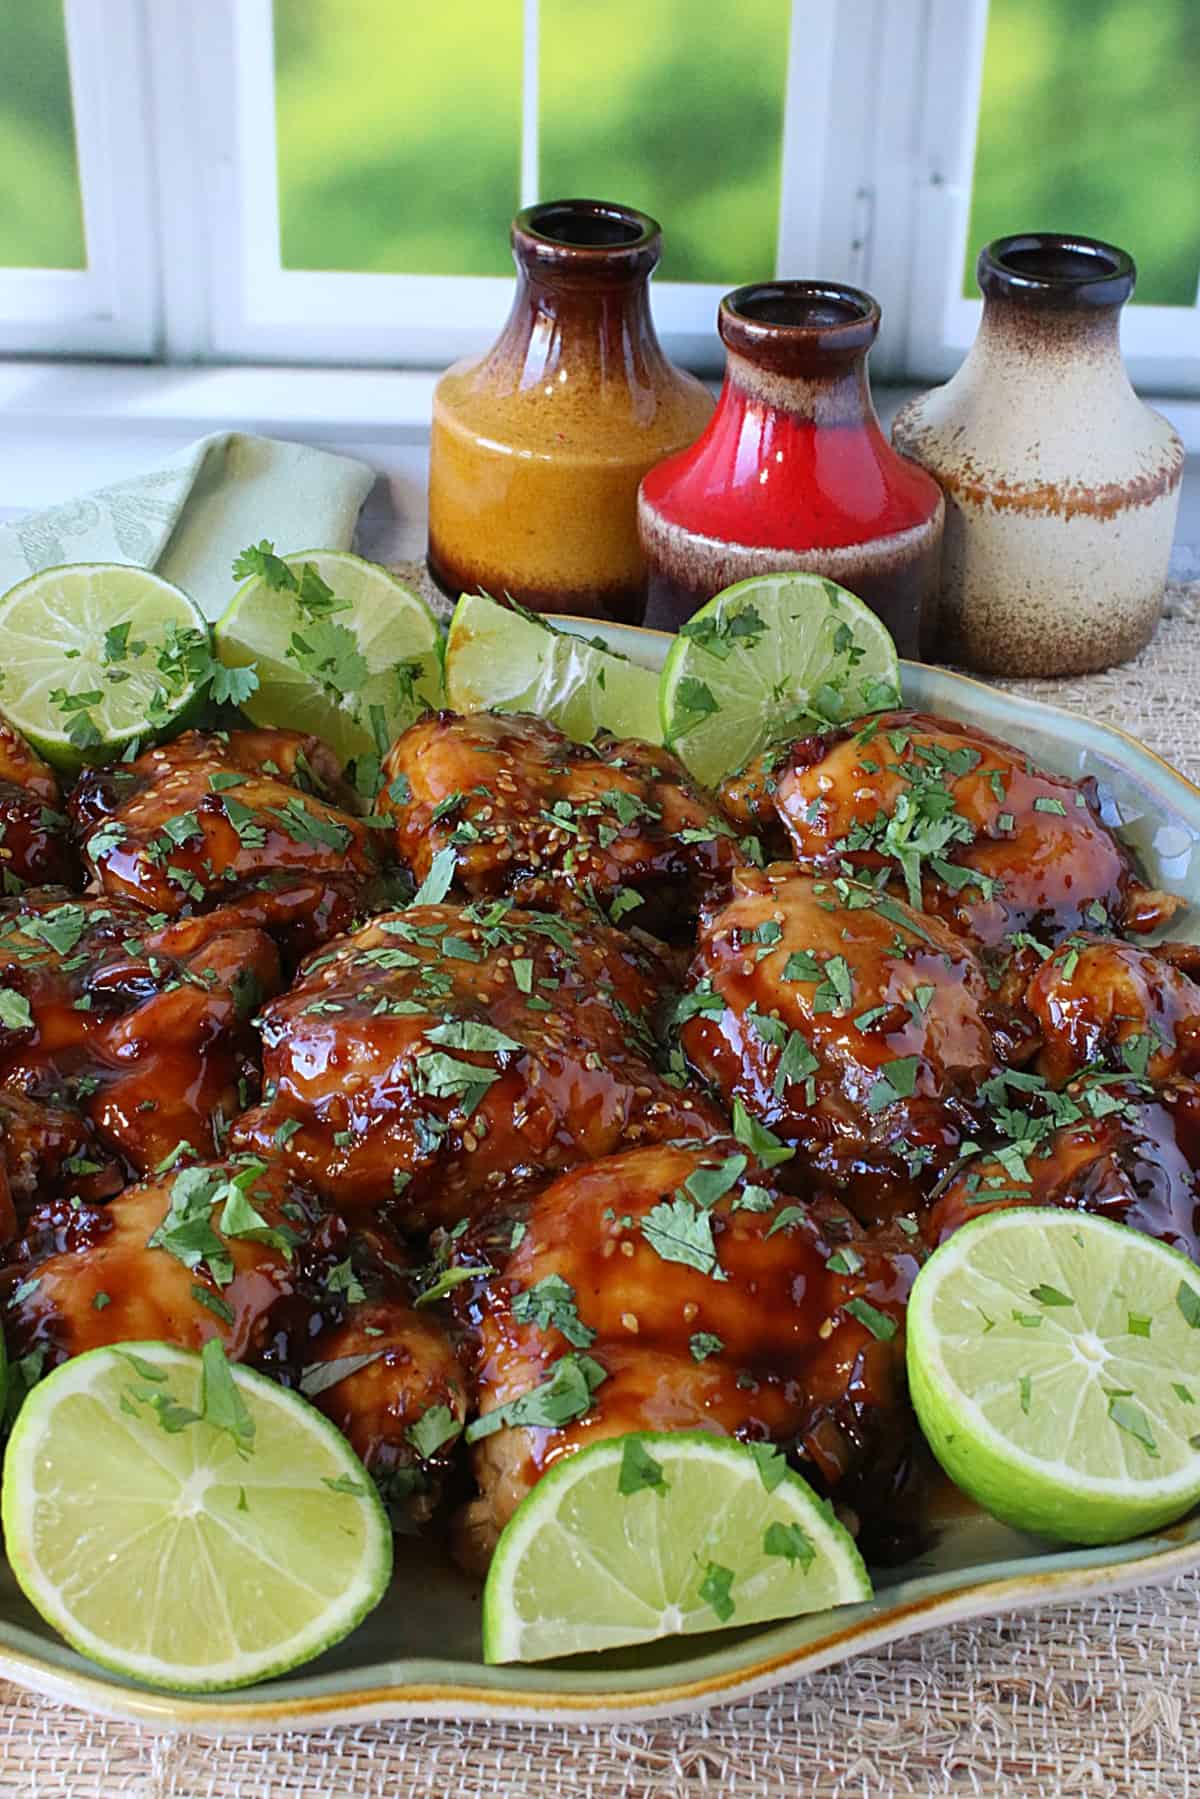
<point>558,325</point>
<point>1025,333</point>
<point>839,396</point>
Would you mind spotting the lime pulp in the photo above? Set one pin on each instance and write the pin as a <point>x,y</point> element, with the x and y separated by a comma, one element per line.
<point>164,1551</point>
<point>355,674</point>
<point>658,1534</point>
<point>501,660</point>
<point>83,649</point>
<point>772,657</point>
<point>1054,1363</point>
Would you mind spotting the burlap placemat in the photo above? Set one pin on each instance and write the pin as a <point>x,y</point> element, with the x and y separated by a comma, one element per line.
<point>1097,1699</point>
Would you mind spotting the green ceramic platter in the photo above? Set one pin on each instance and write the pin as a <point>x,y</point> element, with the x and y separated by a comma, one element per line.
<point>418,1655</point>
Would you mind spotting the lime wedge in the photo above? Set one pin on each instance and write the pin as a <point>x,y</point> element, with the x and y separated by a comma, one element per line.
<point>353,657</point>
<point>770,658</point>
<point>1054,1362</point>
<point>91,658</point>
<point>660,1534</point>
<point>182,1552</point>
<point>498,660</point>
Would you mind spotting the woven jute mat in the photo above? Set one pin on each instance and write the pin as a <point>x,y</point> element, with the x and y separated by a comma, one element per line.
<point>1099,1699</point>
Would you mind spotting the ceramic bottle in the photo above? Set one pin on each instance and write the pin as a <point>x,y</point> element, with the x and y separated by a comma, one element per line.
<point>793,470</point>
<point>1061,486</point>
<point>538,447</point>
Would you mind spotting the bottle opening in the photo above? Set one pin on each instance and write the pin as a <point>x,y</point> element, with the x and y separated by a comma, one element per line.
<point>555,229</point>
<point>805,306</point>
<point>1058,270</point>
<point>565,224</point>
<point>790,322</point>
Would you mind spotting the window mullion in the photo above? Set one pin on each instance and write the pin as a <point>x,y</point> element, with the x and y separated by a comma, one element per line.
<point>530,95</point>
<point>190,54</point>
<point>945,162</point>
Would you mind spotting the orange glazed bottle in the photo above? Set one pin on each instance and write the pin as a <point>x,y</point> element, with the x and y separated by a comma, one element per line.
<point>538,447</point>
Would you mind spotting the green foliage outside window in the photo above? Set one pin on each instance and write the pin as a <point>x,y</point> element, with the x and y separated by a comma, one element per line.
<point>1090,122</point>
<point>41,221</point>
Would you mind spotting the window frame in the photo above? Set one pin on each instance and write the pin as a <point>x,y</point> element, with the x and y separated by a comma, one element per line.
<point>261,312</point>
<point>179,180</point>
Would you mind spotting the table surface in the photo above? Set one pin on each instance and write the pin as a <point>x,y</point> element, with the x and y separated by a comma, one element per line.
<point>1096,1699</point>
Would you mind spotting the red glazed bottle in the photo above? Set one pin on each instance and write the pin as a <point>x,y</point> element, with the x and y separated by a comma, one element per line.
<point>793,470</point>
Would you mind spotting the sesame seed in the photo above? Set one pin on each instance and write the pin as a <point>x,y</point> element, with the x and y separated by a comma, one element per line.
<point>629,1322</point>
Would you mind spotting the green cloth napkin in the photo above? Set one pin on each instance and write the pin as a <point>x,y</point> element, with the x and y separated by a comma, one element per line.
<point>189,518</point>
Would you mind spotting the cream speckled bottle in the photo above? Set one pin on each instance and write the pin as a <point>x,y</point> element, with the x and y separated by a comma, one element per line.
<point>1061,486</point>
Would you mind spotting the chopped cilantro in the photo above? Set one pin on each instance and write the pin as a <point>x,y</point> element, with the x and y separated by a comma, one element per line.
<point>716,1590</point>
<point>436,1427</point>
<point>790,1541</point>
<point>551,1305</point>
<point>639,1469</point>
<point>566,1395</point>
<point>680,1231</point>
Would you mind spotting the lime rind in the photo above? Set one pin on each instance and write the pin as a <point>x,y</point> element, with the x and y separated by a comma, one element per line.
<point>501,660</point>
<point>821,656</point>
<point>1079,1427</point>
<point>71,608</point>
<point>129,1539</point>
<point>581,1566</point>
<point>392,627</point>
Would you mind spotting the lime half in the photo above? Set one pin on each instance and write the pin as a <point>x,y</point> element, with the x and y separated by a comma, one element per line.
<point>96,653</point>
<point>185,1523</point>
<point>1054,1362</point>
<point>769,658</point>
<point>657,1534</point>
<point>353,655</point>
<point>498,660</point>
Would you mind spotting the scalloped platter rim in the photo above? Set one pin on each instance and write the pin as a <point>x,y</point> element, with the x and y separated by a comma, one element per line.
<point>418,1655</point>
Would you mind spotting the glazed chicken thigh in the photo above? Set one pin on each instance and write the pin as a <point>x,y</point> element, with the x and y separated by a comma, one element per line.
<point>673,1288</point>
<point>238,1250</point>
<point>854,1029</point>
<point>527,814</point>
<point>143,1027</point>
<point>964,823</point>
<point>47,1150</point>
<point>1102,1003</point>
<point>1127,1149</point>
<point>259,817</point>
<point>35,847</point>
<point>442,1053</point>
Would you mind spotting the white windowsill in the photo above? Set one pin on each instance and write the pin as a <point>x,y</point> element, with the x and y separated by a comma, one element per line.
<point>66,427</point>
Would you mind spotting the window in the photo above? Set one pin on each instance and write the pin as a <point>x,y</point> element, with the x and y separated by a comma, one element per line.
<point>77,271</point>
<point>331,180</point>
<point>1067,115</point>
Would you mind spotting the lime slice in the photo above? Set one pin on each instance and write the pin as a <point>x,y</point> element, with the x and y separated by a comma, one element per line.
<point>769,658</point>
<point>1054,1362</point>
<point>81,647</point>
<point>659,1534</point>
<point>355,671</point>
<point>177,1552</point>
<point>498,660</point>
